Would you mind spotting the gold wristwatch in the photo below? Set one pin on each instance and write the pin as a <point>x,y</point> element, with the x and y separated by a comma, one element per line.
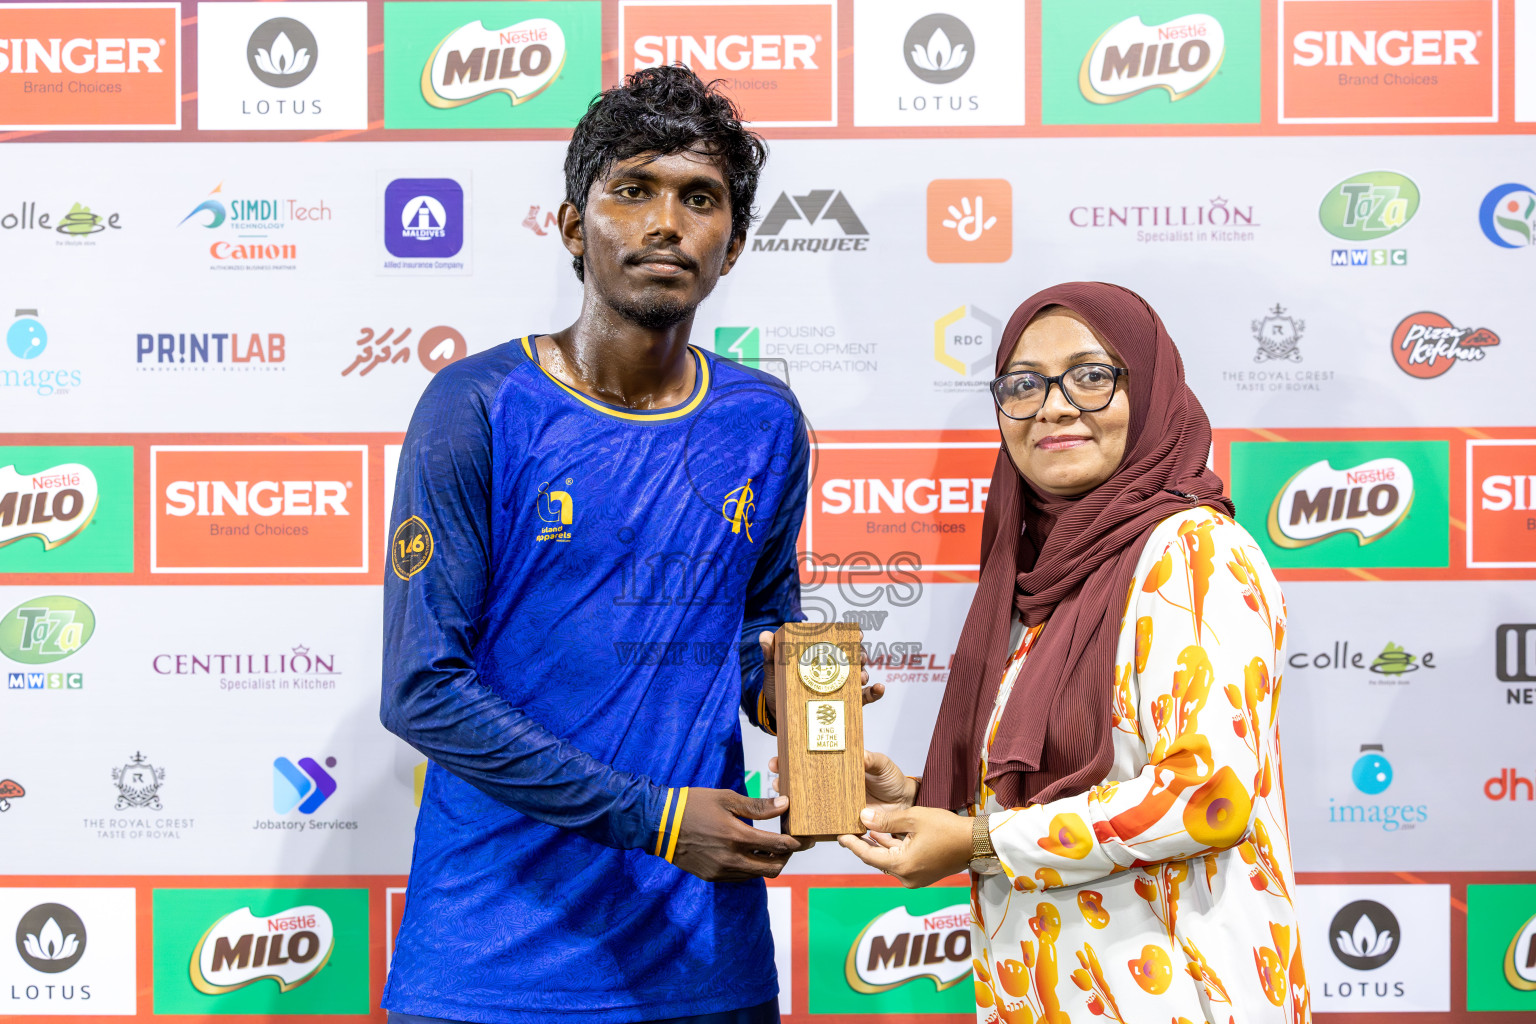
<point>983,856</point>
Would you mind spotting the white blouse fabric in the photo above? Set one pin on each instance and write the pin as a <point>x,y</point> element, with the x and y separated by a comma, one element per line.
<point>1166,892</point>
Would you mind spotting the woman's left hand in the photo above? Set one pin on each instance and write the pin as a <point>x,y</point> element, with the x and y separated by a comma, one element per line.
<point>917,846</point>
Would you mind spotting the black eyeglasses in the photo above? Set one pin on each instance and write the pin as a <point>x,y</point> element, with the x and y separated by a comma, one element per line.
<point>1088,386</point>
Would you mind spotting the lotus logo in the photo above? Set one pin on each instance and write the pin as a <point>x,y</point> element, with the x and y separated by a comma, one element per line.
<point>281,52</point>
<point>53,505</point>
<point>51,938</point>
<point>1364,935</point>
<point>473,62</point>
<point>898,947</point>
<point>1131,58</point>
<point>240,949</point>
<point>939,48</point>
<point>1368,500</point>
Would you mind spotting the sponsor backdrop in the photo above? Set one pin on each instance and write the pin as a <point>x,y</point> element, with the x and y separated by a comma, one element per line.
<point>215,331</point>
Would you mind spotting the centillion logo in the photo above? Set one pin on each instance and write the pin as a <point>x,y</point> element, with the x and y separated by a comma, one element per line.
<point>737,509</point>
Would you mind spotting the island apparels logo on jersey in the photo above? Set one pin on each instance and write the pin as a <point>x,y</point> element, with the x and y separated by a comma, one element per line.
<point>558,511</point>
<point>738,507</point>
<point>138,784</point>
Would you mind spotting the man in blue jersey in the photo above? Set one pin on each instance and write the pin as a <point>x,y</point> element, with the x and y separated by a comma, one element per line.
<point>591,528</point>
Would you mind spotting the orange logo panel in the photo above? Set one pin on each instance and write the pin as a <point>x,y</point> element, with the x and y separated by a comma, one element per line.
<point>777,61</point>
<point>299,509</point>
<point>914,508</point>
<point>1501,504</point>
<point>970,220</point>
<point>111,66</point>
<point>1388,60</point>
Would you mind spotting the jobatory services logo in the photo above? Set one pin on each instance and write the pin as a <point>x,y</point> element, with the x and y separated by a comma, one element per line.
<point>299,509</point>
<point>66,509</point>
<point>1387,61</point>
<point>970,220</point>
<point>1345,504</point>
<point>778,61</point>
<point>880,950</point>
<point>74,951</point>
<point>305,786</point>
<point>532,64</point>
<point>90,67</point>
<point>263,951</point>
<point>960,64</point>
<point>210,351</point>
<point>791,218</point>
<point>434,349</point>
<point>1426,345</point>
<point>1390,946</point>
<point>305,67</point>
<point>1501,503</point>
<point>1149,62</point>
<point>1508,216</point>
<point>1501,947</point>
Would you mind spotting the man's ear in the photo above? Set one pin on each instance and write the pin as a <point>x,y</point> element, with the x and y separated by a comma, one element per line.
<point>733,253</point>
<point>569,220</point>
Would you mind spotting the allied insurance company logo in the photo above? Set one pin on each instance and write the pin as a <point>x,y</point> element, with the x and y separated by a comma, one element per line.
<point>1426,345</point>
<point>1501,504</point>
<point>1388,61</point>
<point>1366,207</point>
<point>258,509</point>
<point>65,66</point>
<point>423,218</point>
<point>776,60</point>
<point>41,631</point>
<point>970,220</point>
<point>1131,58</point>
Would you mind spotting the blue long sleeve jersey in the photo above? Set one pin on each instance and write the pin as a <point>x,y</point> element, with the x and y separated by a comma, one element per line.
<point>570,623</point>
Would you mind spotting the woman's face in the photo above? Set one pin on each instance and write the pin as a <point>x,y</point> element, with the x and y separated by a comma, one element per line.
<point>1063,450</point>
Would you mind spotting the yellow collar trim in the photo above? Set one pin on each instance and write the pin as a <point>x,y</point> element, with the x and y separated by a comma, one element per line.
<point>701,387</point>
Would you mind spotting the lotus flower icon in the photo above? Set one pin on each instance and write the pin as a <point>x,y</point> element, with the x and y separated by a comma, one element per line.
<point>939,48</point>
<point>939,54</point>
<point>1364,940</point>
<point>282,52</point>
<point>282,58</point>
<point>50,943</point>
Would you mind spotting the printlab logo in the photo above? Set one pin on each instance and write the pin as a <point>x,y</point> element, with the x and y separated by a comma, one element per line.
<point>199,353</point>
<point>1278,335</point>
<point>964,340</point>
<point>138,784</point>
<point>1426,344</point>
<point>50,938</point>
<point>816,208</point>
<point>970,220</point>
<point>10,790</point>
<point>305,785</point>
<point>26,337</point>
<point>939,48</point>
<point>282,52</point>
<point>435,349</point>
<point>1508,216</point>
<point>1364,935</point>
<point>1131,58</point>
<point>424,218</point>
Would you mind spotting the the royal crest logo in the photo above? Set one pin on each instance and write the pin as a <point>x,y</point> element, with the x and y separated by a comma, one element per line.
<point>738,507</point>
<point>558,511</point>
<point>138,784</point>
<point>898,947</point>
<point>1426,344</point>
<point>1131,58</point>
<point>1368,500</point>
<point>473,62</point>
<point>240,949</point>
<point>1278,336</point>
<point>53,505</point>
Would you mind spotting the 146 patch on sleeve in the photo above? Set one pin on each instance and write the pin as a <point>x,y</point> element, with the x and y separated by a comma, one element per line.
<point>412,548</point>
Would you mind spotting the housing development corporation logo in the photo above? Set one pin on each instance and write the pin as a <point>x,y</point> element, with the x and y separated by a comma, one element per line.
<point>815,211</point>
<point>1130,58</point>
<point>105,66</point>
<point>1387,61</point>
<point>1501,503</point>
<point>1508,216</point>
<point>1426,344</point>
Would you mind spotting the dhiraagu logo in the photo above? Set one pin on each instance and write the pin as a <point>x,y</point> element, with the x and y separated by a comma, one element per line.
<point>1369,205</point>
<point>881,950</point>
<point>261,951</point>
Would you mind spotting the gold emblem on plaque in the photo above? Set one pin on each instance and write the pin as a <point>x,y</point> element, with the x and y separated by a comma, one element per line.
<point>823,667</point>
<point>826,727</point>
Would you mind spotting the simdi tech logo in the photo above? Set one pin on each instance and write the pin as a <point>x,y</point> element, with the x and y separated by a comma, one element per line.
<point>261,951</point>
<point>66,509</point>
<point>1501,947</point>
<point>530,64</point>
<point>1345,504</point>
<point>881,950</point>
<point>1387,61</point>
<point>778,61</point>
<point>1149,62</point>
<point>90,67</point>
<point>299,509</point>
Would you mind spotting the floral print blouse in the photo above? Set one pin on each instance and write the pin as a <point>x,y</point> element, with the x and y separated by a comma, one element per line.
<point>1166,892</point>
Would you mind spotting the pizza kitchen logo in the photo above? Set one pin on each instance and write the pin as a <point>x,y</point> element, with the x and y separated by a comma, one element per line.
<point>240,949</point>
<point>1131,58</point>
<point>1369,500</point>
<point>1427,345</point>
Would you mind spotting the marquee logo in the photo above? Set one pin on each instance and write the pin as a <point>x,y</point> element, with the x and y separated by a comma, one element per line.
<point>1501,503</point>
<point>78,67</point>
<point>1130,58</point>
<point>1426,344</point>
<point>258,509</point>
<point>898,947</point>
<point>1368,206</point>
<point>472,62</point>
<point>1368,500</point>
<point>46,629</point>
<point>53,505</point>
<point>240,949</point>
<point>819,206</point>
<point>1404,61</point>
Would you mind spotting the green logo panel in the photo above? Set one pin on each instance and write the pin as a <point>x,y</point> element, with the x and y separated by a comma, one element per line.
<point>103,544</point>
<point>1370,205</point>
<point>839,919</point>
<point>1146,84</point>
<point>46,629</point>
<point>1412,530</point>
<point>484,77</point>
<point>1501,947</point>
<point>332,979</point>
<point>742,344</point>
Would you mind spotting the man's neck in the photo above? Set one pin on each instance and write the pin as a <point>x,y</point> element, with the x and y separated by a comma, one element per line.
<point>619,362</point>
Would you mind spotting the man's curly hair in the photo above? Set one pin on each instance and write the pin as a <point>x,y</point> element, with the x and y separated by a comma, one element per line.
<point>665,110</point>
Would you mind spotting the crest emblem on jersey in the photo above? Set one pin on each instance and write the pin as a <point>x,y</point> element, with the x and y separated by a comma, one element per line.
<point>411,549</point>
<point>738,507</point>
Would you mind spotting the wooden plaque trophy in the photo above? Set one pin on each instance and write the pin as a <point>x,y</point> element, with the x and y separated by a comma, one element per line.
<point>820,716</point>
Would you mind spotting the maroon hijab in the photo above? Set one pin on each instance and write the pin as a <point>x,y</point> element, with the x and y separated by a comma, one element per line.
<point>1069,560</point>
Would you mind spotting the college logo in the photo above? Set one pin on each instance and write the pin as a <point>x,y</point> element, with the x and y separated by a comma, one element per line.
<point>10,790</point>
<point>259,509</point>
<point>53,505</point>
<point>1501,947</point>
<point>970,220</point>
<point>1426,344</point>
<point>305,785</point>
<point>1399,61</point>
<point>305,69</point>
<point>64,66</point>
<point>1501,504</point>
<point>965,341</point>
<point>1365,935</point>
<point>1369,206</point>
<point>1278,336</point>
<point>138,784</point>
<point>822,205</point>
<point>46,629</point>
<point>777,61</point>
<point>51,938</point>
<point>1130,58</point>
<point>1508,216</point>
<point>878,950</point>
<point>918,66</point>
<point>446,66</point>
<point>424,218</point>
<point>289,947</point>
<point>1367,500</point>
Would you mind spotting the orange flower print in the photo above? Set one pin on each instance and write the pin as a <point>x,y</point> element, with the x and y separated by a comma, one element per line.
<point>1090,978</point>
<point>1160,573</point>
<point>1200,969</point>
<point>1068,837</point>
<point>1217,813</point>
<point>1153,970</point>
<point>1143,642</point>
<point>1271,974</point>
<point>1091,905</point>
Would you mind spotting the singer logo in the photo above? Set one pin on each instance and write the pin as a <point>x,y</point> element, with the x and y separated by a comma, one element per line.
<point>898,947</point>
<point>1501,504</point>
<point>240,949</point>
<point>88,67</point>
<point>1179,56</point>
<point>900,504</point>
<point>239,509</point>
<point>1361,61</point>
<point>53,505</point>
<point>778,61</point>
<point>521,60</point>
<point>1368,500</point>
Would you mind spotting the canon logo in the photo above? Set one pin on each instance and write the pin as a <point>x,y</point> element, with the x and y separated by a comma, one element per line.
<point>80,56</point>
<point>262,498</point>
<point>1395,47</point>
<point>728,53</point>
<point>923,495</point>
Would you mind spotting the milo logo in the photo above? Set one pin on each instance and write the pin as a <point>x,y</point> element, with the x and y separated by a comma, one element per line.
<point>1368,500</point>
<point>1130,58</point>
<point>46,629</point>
<point>290,947</point>
<point>473,61</point>
<point>898,947</point>
<point>1370,205</point>
<point>52,505</point>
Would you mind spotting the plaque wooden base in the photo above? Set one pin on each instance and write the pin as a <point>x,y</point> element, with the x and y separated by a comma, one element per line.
<point>820,716</point>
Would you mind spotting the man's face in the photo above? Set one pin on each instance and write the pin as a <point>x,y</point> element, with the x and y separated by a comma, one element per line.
<point>656,236</point>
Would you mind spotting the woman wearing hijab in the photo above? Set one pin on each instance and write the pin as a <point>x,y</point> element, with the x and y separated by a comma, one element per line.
<point>1109,723</point>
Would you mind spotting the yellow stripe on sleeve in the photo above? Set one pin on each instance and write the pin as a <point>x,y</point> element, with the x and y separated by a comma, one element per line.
<point>661,829</point>
<point>677,822</point>
<point>762,714</point>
